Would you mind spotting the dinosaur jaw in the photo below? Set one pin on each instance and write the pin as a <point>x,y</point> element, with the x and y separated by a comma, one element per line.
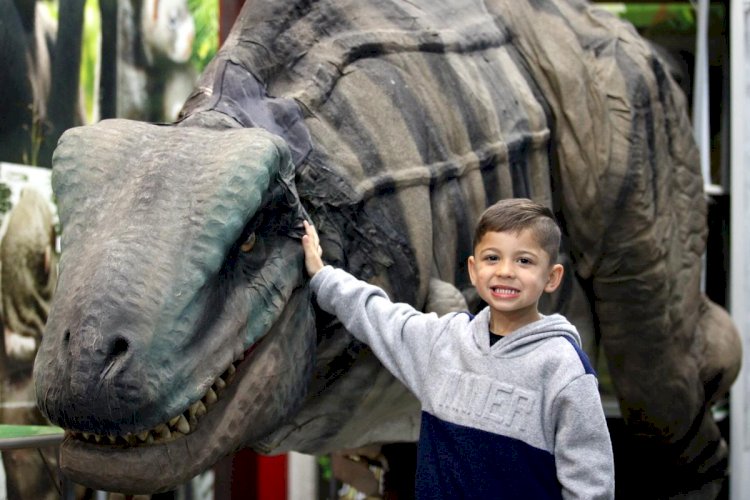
<point>278,368</point>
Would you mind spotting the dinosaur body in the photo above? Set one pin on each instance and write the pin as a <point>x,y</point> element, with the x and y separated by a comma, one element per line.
<point>391,125</point>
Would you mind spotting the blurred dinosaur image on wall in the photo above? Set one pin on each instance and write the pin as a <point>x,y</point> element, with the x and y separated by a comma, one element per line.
<point>28,272</point>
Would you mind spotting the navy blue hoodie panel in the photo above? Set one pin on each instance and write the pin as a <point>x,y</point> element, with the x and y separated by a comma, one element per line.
<point>584,358</point>
<point>459,462</point>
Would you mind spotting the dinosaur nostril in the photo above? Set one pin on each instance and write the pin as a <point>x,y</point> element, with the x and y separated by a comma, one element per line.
<point>119,347</point>
<point>116,356</point>
<point>66,336</point>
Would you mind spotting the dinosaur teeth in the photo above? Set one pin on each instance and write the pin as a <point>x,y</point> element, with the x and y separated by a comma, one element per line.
<point>197,409</point>
<point>220,384</point>
<point>182,425</point>
<point>228,374</point>
<point>193,422</point>
<point>210,397</point>
<point>163,431</point>
<point>178,426</point>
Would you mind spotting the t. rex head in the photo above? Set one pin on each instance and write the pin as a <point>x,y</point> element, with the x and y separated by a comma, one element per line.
<point>181,299</point>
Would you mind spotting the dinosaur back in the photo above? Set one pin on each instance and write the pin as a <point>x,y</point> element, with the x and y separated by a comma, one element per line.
<point>418,116</point>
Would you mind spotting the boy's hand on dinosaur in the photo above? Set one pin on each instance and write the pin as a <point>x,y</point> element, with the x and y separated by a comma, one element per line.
<point>313,251</point>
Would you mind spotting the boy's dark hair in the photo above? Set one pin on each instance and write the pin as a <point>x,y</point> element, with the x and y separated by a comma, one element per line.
<point>514,215</point>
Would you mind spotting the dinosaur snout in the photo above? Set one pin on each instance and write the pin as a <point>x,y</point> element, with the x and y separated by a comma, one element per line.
<point>94,366</point>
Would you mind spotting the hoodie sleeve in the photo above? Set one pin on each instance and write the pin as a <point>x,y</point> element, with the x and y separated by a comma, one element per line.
<point>583,449</point>
<point>399,335</point>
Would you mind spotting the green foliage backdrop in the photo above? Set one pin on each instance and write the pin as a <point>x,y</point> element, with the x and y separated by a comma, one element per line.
<point>206,15</point>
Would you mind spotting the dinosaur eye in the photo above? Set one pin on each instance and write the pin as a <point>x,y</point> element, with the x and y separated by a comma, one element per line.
<point>249,243</point>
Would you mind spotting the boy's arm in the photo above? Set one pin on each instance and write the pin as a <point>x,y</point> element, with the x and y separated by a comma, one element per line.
<point>583,448</point>
<point>398,334</point>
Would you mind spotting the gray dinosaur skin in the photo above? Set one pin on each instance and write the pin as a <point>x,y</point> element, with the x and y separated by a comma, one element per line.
<point>391,125</point>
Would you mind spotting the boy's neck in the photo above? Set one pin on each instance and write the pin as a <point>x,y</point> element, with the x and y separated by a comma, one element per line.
<point>504,322</point>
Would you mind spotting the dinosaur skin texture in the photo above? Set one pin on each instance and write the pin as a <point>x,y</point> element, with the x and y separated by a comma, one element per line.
<point>182,328</point>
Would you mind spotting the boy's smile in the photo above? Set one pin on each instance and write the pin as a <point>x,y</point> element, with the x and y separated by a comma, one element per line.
<point>505,292</point>
<point>510,272</point>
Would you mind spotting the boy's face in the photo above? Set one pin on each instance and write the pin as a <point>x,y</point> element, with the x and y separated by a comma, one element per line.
<point>510,272</point>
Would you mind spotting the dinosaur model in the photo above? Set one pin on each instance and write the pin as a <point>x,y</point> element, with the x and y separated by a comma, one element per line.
<point>182,327</point>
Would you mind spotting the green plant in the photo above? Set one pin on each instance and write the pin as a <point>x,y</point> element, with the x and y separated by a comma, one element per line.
<point>206,16</point>
<point>90,58</point>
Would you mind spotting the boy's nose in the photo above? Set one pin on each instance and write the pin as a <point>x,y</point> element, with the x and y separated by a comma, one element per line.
<point>505,268</point>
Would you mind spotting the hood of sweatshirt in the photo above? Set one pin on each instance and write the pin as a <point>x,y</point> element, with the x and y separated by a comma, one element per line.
<point>523,339</point>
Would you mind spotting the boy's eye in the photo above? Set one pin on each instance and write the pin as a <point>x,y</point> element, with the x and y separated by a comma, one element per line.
<point>491,258</point>
<point>524,260</point>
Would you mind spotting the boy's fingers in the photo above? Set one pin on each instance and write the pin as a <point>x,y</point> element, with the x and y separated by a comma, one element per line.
<point>312,233</point>
<point>313,250</point>
<point>311,244</point>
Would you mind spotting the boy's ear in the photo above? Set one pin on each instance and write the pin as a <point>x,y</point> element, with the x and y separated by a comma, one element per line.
<point>555,277</point>
<point>470,266</point>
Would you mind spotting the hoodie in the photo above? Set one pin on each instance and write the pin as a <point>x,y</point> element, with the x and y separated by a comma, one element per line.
<point>519,419</point>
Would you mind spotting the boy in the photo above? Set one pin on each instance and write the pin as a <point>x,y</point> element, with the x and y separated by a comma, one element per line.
<point>510,406</point>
